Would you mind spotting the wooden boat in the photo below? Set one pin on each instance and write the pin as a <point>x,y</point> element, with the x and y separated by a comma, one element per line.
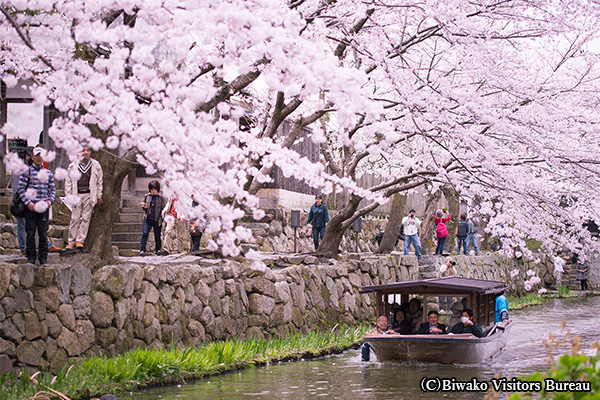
<point>479,295</point>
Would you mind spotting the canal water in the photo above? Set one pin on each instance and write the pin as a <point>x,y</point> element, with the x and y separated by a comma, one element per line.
<point>347,377</point>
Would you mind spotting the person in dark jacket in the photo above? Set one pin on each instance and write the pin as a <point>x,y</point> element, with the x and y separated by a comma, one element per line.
<point>462,231</point>
<point>319,216</point>
<point>153,205</point>
<point>583,273</point>
<point>401,324</point>
<point>432,326</point>
<point>466,324</point>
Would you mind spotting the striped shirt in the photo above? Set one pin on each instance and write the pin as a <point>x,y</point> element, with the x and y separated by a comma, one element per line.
<point>43,190</point>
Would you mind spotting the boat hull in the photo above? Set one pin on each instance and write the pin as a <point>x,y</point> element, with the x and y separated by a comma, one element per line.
<point>443,349</point>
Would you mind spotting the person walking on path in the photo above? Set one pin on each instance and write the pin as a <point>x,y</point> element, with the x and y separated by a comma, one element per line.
<point>153,205</point>
<point>174,230</point>
<point>441,231</point>
<point>583,273</point>
<point>473,222</point>
<point>559,264</point>
<point>84,180</point>
<point>462,231</point>
<point>411,233</point>
<point>319,216</point>
<point>37,191</point>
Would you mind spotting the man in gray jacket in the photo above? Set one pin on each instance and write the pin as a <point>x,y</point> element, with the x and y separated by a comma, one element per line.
<point>84,179</point>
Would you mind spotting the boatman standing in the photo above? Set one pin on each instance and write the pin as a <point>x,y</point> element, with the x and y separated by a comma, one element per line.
<point>502,309</point>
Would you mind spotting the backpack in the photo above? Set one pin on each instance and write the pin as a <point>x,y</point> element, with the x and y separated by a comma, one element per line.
<point>441,231</point>
<point>463,228</point>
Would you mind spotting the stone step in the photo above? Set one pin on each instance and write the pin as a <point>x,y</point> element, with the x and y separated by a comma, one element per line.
<point>134,244</point>
<point>127,236</point>
<point>128,227</point>
<point>131,210</point>
<point>131,218</point>
<point>132,202</point>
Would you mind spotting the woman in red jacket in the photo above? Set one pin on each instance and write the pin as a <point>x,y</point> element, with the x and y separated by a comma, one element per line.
<point>441,232</point>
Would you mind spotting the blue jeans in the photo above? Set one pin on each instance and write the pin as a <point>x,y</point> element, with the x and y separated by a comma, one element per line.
<point>472,238</point>
<point>21,233</point>
<point>462,241</point>
<point>415,241</point>
<point>316,233</point>
<point>146,232</point>
<point>440,245</point>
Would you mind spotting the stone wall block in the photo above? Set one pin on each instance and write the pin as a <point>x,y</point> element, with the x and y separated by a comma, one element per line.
<point>202,291</point>
<point>225,304</point>
<point>151,274</point>
<point>59,360</point>
<point>161,313</point>
<point>215,303</point>
<point>44,277</point>
<point>30,353</point>
<point>54,325</point>
<point>102,310</point>
<point>4,278</point>
<point>48,296</point>
<point>86,335</point>
<point>23,300</point>
<point>11,332</point>
<point>110,279</point>
<point>19,322</point>
<point>197,329</point>
<point>174,312</point>
<point>207,317</point>
<point>149,313</point>
<point>207,275</point>
<point>81,281</point>
<point>260,304</point>
<point>63,283</point>
<point>9,306</point>
<point>33,329</point>
<point>26,275</point>
<point>2,314</point>
<point>51,348</point>
<point>106,336</point>
<point>151,292</point>
<point>282,292</point>
<point>184,275</point>
<point>166,295</point>
<point>68,341</point>
<point>66,314</point>
<point>82,307</point>
<point>40,308</point>
<point>263,286</point>
<point>7,347</point>
<point>121,312</point>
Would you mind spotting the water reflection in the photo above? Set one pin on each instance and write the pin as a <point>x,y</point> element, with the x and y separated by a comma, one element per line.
<point>347,377</point>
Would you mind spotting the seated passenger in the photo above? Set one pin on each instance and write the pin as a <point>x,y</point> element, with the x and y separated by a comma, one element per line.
<point>414,313</point>
<point>456,309</point>
<point>467,325</point>
<point>401,324</point>
<point>432,327</point>
<point>382,327</point>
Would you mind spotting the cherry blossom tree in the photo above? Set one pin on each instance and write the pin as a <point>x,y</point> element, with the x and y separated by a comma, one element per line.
<point>491,98</point>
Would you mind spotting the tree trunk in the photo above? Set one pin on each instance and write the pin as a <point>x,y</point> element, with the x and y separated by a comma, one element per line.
<point>337,226</point>
<point>99,238</point>
<point>453,209</point>
<point>428,239</point>
<point>388,242</point>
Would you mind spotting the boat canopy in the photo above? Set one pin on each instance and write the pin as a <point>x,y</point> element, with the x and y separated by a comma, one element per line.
<point>449,285</point>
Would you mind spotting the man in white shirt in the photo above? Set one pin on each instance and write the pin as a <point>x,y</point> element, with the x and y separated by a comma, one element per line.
<point>559,263</point>
<point>411,233</point>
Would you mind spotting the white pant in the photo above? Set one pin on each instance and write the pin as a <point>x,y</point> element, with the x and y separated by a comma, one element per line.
<point>174,237</point>
<point>80,219</point>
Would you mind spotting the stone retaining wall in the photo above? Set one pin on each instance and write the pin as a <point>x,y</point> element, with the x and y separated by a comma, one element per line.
<point>51,315</point>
